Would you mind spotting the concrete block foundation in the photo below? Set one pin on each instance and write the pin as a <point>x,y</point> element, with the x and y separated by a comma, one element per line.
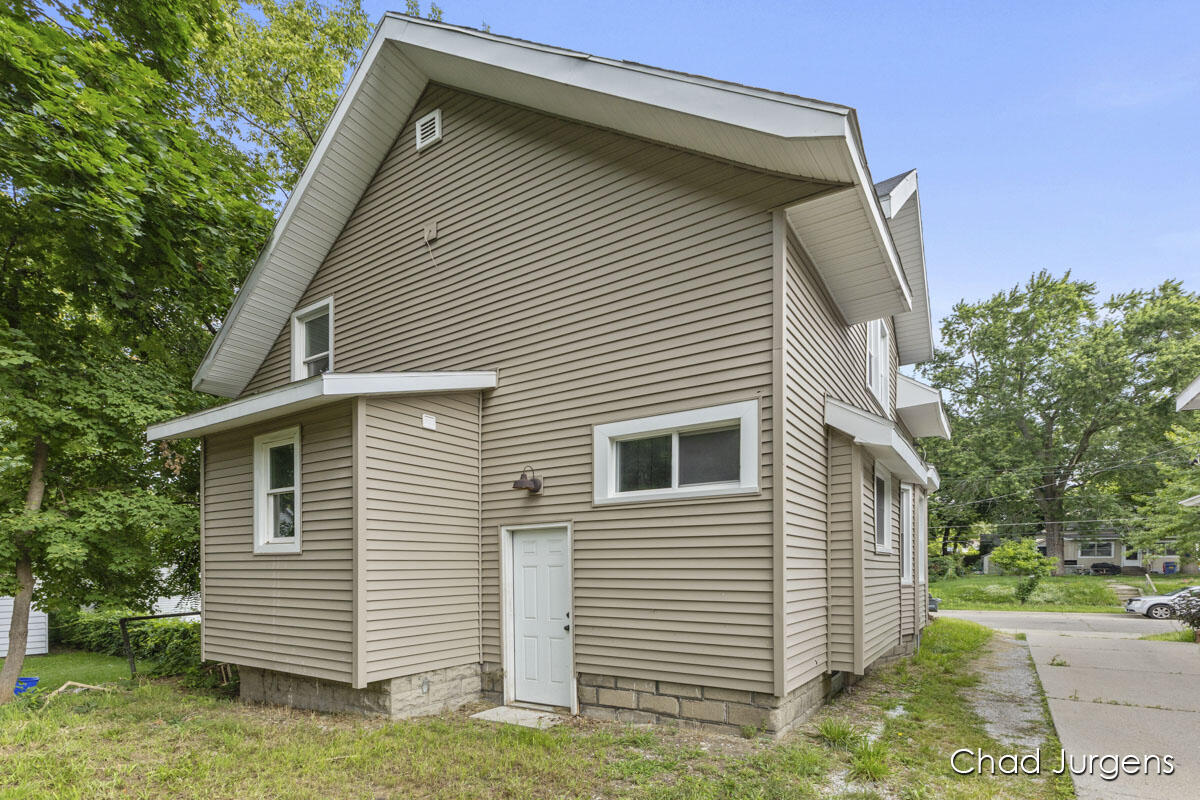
<point>712,708</point>
<point>410,696</point>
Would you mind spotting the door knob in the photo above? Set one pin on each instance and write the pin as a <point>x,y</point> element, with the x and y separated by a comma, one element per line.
<point>566,627</point>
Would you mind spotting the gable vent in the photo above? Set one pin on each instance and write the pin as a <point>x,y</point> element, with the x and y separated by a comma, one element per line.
<point>429,129</point>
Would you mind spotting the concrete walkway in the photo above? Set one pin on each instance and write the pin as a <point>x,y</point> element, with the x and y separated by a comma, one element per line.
<point>1110,693</point>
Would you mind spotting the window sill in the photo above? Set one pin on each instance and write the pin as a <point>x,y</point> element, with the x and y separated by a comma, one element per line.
<point>276,548</point>
<point>666,495</point>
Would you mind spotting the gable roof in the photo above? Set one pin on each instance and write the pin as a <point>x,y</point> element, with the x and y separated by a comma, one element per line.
<point>901,203</point>
<point>843,229</point>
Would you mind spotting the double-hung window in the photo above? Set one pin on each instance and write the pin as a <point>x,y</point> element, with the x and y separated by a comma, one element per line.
<point>312,340</point>
<point>699,453</point>
<point>1095,549</point>
<point>879,362</point>
<point>277,492</point>
<point>906,533</point>
<point>883,510</point>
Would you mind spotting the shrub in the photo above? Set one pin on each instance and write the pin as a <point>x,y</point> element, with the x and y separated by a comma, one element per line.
<point>1021,557</point>
<point>1187,609</point>
<point>161,646</point>
<point>942,567</point>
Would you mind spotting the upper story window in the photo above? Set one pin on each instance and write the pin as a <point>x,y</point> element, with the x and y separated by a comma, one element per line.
<point>277,492</point>
<point>879,362</point>
<point>700,453</point>
<point>883,510</point>
<point>906,533</point>
<point>312,340</point>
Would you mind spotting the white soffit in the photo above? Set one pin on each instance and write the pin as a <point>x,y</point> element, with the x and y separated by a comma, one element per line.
<point>1191,502</point>
<point>881,437</point>
<point>844,231</point>
<point>920,408</point>
<point>1189,398</point>
<point>901,202</point>
<point>327,388</point>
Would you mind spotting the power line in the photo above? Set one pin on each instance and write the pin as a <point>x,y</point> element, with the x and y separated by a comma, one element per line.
<point>1044,485</point>
<point>1039,522</point>
<point>1032,469</point>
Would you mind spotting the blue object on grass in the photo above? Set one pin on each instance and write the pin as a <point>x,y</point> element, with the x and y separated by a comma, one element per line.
<point>1169,567</point>
<point>24,685</point>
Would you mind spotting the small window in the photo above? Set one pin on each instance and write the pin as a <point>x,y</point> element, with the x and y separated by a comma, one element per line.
<point>705,452</point>
<point>879,363</point>
<point>906,533</point>
<point>312,340</point>
<point>1095,549</point>
<point>429,129</point>
<point>883,511</point>
<point>277,492</point>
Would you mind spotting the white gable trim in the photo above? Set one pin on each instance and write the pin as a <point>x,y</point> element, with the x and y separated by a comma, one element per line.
<point>1189,398</point>
<point>901,203</point>
<point>780,133</point>
<point>316,391</point>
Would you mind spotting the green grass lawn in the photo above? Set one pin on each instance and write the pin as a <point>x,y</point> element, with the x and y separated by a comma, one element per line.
<point>158,740</point>
<point>1075,593</point>
<point>59,667</point>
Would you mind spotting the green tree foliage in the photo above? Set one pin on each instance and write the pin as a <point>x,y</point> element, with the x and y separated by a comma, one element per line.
<point>271,77</point>
<point>124,228</point>
<point>1021,557</point>
<point>1059,403</point>
<point>1169,525</point>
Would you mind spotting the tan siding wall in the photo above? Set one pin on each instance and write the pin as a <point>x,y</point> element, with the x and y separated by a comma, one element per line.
<point>881,574</point>
<point>823,358</point>
<point>606,279</point>
<point>842,541</point>
<point>286,612</point>
<point>421,529</point>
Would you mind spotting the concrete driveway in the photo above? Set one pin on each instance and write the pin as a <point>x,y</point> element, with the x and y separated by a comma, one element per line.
<point>1110,693</point>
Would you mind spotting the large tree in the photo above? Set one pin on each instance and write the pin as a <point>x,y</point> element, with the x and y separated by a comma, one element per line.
<point>1169,524</point>
<point>124,228</point>
<point>1060,403</point>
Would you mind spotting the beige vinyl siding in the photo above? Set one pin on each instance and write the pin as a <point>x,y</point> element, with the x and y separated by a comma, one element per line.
<point>822,358</point>
<point>907,591</point>
<point>842,546</point>
<point>420,522</point>
<point>881,574</point>
<point>606,279</point>
<point>288,612</point>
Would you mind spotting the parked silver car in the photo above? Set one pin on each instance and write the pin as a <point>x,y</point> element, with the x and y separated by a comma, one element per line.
<point>1160,606</point>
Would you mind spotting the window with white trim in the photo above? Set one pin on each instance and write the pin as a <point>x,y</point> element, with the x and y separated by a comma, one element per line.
<point>1095,549</point>
<point>312,340</point>
<point>906,533</point>
<point>277,492</point>
<point>879,362</point>
<point>705,452</point>
<point>883,510</point>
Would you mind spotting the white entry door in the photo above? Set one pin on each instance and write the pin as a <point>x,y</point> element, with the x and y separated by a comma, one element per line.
<point>1131,557</point>
<point>542,616</point>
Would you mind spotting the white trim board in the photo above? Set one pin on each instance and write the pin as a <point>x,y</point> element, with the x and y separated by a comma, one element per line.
<point>327,388</point>
<point>772,131</point>
<point>884,441</point>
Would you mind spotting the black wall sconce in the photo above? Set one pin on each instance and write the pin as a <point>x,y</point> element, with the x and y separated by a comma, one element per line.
<point>528,480</point>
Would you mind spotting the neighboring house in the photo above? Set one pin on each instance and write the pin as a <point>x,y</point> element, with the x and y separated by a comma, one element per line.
<point>38,642</point>
<point>1108,547</point>
<point>572,382</point>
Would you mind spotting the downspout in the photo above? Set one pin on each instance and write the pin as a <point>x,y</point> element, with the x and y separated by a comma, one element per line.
<point>479,523</point>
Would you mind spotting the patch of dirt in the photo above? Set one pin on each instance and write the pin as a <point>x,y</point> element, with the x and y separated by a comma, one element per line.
<point>1008,695</point>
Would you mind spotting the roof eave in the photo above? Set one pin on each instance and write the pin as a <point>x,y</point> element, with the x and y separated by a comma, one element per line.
<point>302,395</point>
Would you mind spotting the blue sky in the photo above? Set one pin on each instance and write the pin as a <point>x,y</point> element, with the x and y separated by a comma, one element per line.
<point>1047,135</point>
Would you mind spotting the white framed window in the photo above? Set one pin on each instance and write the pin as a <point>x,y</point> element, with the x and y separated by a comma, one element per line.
<point>923,539</point>
<point>705,452</point>
<point>883,510</point>
<point>312,340</point>
<point>879,363</point>
<point>906,533</point>
<point>277,492</point>
<point>1095,549</point>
